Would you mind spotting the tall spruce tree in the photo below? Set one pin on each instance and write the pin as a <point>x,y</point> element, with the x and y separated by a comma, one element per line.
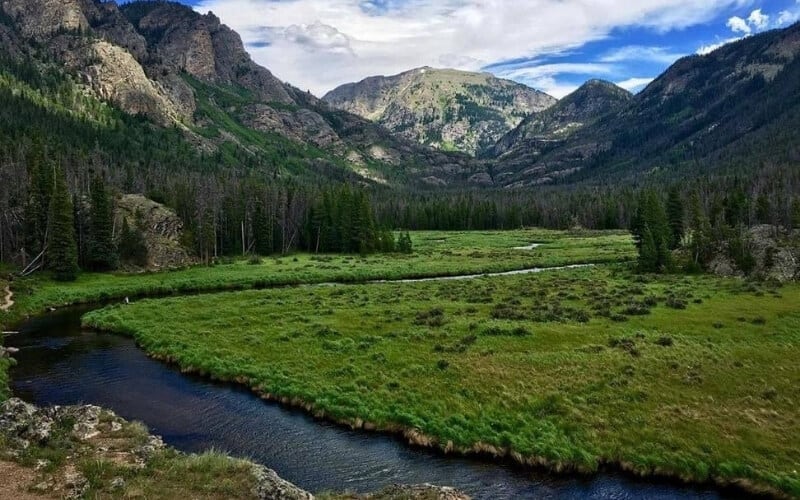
<point>102,253</point>
<point>675,214</point>
<point>796,213</point>
<point>62,252</point>
<point>652,234</point>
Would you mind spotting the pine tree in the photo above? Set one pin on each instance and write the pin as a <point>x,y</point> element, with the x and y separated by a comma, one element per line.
<point>763,209</point>
<point>262,229</point>
<point>37,207</point>
<point>796,213</point>
<point>132,247</point>
<point>700,238</point>
<point>102,253</point>
<point>652,234</point>
<point>62,252</point>
<point>404,244</point>
<point>675,214</point>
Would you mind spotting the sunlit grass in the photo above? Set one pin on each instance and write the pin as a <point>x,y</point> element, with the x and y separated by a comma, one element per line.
<point>692,376</point>
<point>436,254</point>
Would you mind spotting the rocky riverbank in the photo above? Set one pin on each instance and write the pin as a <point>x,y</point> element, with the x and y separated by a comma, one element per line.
<point>87,451</point>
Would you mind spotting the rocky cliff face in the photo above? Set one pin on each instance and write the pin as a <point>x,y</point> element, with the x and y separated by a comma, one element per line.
<point>202,46</point>
<point>161,227</point>
<point>178,67</point>
<point>446,109</point>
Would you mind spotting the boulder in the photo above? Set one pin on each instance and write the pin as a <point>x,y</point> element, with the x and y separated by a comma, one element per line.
<point>161,227</point>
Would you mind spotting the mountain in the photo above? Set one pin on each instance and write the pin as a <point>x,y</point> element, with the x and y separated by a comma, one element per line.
<point>735,108</point>
<point>558,123</point>
<point>180,69</point>
<point>442,108</point>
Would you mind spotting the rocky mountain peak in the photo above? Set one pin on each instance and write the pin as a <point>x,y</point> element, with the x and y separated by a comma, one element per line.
<point>43,18</point>
<point>444,108</point>
<point>590,101</point>
<point>202,46</point>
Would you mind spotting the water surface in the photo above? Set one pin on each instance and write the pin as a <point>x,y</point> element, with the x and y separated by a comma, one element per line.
<point>60,364</point>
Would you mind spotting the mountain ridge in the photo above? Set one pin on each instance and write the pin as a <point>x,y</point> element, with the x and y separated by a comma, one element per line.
<point>443,108</point>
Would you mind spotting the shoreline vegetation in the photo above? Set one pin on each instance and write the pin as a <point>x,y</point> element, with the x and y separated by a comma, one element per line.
<point>437,254</point>
<point>504,334</point>
<point>648,371</point>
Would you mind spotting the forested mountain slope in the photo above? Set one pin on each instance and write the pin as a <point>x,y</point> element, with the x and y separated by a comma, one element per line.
<point>557,124</point>
<point>735,107</point>
<point>443,108</point>
<point>181,69</point>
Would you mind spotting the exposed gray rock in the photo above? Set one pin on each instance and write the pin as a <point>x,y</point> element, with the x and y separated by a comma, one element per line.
<point>269,486</point>
<point>42,18</point>
<point>442,108</point>
<point>161,227</point>
<point>417,492</point>
<point>776,253</point>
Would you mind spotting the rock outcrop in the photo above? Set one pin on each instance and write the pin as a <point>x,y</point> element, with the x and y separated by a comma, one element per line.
<point>89,433</point>
<point>446,109</point>
<point>775,255</point>
<point>161,227</point>
<point>41,19</point>
<point>202,46</point>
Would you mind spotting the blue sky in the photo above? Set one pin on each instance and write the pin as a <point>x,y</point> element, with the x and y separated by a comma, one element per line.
<point>552,45</point>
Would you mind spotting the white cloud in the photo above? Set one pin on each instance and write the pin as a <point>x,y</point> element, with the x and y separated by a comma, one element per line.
<point>707,49</point>
<point>319,44</point>
<point>318,36</point>
<point>758,20</point>
<point>788,16</point>
<point>641,53</point>
<point>739,25</point>
<point>635,84</point>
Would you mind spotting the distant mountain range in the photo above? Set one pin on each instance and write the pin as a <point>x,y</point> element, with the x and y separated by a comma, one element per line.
<point>183,71</point>
<point>442,108</point>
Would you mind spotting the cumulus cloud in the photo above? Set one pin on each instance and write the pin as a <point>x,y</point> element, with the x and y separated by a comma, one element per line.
<point>788,16</point>
<point>711,47</point>
<point>739,25</point>
<point>319,44</point>
<point>758,20</point>
<point>318,36</point>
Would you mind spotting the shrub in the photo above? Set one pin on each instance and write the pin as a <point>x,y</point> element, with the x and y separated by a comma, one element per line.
<point>675,303</point>
<point>433,317</point>
<point>665,341</point>
<point>442,364</point>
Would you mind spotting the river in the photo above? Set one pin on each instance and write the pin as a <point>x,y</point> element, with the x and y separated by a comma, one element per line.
<point>61,364</point>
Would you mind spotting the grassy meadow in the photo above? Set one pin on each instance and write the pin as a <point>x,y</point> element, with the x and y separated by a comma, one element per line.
<point>435,254</point>
<point>695,377</point>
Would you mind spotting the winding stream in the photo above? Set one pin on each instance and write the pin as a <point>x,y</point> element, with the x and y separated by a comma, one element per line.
<point>61,364</point>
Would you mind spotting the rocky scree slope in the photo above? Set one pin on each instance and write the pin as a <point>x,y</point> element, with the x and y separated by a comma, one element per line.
<point>442,108</point>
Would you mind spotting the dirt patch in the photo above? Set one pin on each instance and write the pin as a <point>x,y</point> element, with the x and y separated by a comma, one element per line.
<point>15,481</point>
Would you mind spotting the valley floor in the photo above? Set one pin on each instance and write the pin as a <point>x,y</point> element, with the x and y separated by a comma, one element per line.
<point>683,376</point>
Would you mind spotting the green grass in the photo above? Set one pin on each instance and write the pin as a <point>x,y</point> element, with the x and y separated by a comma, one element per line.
<point>169,474</point>
<point>695,377</point>
<point>436,254</point>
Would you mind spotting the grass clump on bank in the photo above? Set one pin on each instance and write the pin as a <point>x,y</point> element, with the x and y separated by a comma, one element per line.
<point>555,376</point>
